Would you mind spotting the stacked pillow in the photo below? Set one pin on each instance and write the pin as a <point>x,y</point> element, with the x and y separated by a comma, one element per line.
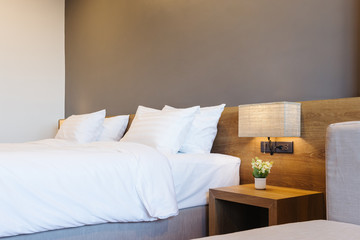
<point>203,130</point>
<point>189,130</point>
<point>92,127</point>
<point>170,130</point>
<point>114,128</point>
<point>163,130</point>
<point>82,128</point>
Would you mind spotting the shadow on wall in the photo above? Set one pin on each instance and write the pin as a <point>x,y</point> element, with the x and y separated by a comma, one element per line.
<point>120,53</point>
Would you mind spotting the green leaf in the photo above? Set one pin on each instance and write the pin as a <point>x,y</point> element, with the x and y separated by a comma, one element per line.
<point>258,174</point>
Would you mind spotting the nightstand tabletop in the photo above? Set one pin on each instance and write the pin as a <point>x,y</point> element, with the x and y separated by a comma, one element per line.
<point>271,192</point>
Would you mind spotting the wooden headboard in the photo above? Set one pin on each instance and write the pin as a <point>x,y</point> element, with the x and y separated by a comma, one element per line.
<point>305,168</point>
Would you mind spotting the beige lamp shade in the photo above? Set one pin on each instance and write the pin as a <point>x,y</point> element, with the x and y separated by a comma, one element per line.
<point>278,119</point>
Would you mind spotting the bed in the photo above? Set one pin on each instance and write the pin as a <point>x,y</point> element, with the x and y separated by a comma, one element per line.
<point>343,198</point>
<point>167,192</point>
<point>192,222</point>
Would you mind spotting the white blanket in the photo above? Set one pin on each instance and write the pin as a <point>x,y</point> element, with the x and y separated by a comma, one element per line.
<point>52,184</point>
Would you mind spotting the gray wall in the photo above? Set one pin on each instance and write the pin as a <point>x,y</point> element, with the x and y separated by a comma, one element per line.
<point>122,53</point>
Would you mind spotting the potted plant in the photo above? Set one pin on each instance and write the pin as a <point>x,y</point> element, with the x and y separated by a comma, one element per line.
<point>261,170</point>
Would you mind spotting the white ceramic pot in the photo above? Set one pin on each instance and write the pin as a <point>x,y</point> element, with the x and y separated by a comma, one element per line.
<point>260,183</point>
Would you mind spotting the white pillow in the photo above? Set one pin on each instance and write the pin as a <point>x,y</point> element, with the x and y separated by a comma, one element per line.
<point>114,128</point>
<point>82,128</point>
<point>142,109</point>
<point>203,130</point>
<point>163,130</point>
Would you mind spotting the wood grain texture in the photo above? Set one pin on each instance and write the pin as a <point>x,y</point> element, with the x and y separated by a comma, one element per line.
<point>275,205</point>
<point>305,169</point>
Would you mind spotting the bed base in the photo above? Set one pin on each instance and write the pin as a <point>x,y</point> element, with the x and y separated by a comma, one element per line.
<point>190,223</point>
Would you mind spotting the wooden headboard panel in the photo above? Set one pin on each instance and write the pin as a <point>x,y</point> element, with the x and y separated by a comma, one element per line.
<point>306,167</point>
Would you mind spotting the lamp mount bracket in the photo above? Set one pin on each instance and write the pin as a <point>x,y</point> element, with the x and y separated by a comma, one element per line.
<point>276,147</point>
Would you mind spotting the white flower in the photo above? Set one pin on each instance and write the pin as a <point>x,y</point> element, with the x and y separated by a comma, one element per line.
<point>261,166</point>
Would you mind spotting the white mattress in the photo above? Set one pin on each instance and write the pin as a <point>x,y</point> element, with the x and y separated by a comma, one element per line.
<point>194,174</point>
<point>311,230</point>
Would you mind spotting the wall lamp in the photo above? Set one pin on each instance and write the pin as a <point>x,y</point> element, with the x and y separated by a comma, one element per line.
<point>277,119</point>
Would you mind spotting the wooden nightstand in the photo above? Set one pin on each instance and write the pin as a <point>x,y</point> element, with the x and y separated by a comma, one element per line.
<point>242,207</point>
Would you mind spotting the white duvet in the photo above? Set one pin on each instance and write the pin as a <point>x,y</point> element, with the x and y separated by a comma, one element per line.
<point>120,182</point>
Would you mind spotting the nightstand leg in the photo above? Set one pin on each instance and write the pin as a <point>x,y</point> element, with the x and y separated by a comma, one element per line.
<point>213,224</point>
<point>273,218</point>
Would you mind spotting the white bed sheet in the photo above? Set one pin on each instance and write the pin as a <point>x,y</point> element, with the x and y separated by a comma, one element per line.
<point>310,230</point>
<point>195,174</point>
<point>120,182</point>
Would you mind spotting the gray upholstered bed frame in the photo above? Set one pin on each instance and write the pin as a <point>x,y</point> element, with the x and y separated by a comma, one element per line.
<point>190,223</point>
